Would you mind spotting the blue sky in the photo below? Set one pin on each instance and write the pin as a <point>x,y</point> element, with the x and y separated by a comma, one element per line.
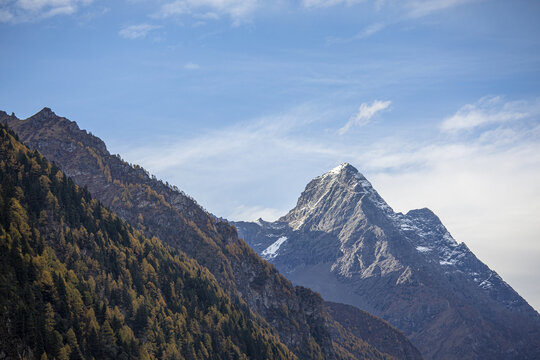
<point>241,102</point>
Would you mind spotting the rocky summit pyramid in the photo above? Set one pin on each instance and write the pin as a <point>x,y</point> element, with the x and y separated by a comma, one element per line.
<point>345,242</point>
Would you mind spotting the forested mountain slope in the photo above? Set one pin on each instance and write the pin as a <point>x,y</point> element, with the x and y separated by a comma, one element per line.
<point>156,209</point>
<point>78,283</point>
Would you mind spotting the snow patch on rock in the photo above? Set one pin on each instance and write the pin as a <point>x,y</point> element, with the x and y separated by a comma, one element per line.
<point>423,249</point>
<point>272,251</point>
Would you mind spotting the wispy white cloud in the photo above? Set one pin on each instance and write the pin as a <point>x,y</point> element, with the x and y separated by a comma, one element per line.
<point>364,115</point>
<point>419,8</point>
<point>5,15</point>
<point>365,33</point>
<point>379,4</point>
<point>137,31</point>
<point>61,10</point>
<point>413,8</point>
<point>192,66</point>
<point>488,110</point>
<point>328,3</point>
<point>31,10</point>
<point>36,5</point>
<point>248,138</point>
<point>237,10</point>
<point>370,30</point>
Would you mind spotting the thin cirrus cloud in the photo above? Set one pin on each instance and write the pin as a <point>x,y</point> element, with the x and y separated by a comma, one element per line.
<point>192,66</point>
<point>487,110</point>
<point>364,115</point>
<point>31,10</point>
<point>328,3</point>
<point>137,31</point>
<point>420,8</point>
<point>5,15</point>
<point>413,8</point>
<point>237,10</point>
<point>367,32</point>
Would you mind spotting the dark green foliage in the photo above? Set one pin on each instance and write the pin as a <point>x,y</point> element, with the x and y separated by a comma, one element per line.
<point>76,282</point>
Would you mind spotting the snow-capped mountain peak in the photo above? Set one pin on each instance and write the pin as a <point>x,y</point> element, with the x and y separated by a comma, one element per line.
<point>344,241</point>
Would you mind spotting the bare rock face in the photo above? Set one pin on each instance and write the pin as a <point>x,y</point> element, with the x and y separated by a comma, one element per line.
<point>344,241</point>
<point>298,314</point>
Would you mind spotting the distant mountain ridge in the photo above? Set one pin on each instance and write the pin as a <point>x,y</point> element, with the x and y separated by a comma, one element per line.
<point>344,241</point>
<point>299,315</point>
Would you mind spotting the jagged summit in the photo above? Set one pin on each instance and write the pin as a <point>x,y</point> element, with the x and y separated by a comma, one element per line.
<point>57,127</point>
<point>345,166</point>
<point>344,169</point>
<point>346,175</point>
<point>337,194</point>
<point>4,116</point>
<point>422,212</point>
<point>45,113</point>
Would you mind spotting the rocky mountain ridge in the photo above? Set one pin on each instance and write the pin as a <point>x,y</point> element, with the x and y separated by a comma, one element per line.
<point>344,241</point>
